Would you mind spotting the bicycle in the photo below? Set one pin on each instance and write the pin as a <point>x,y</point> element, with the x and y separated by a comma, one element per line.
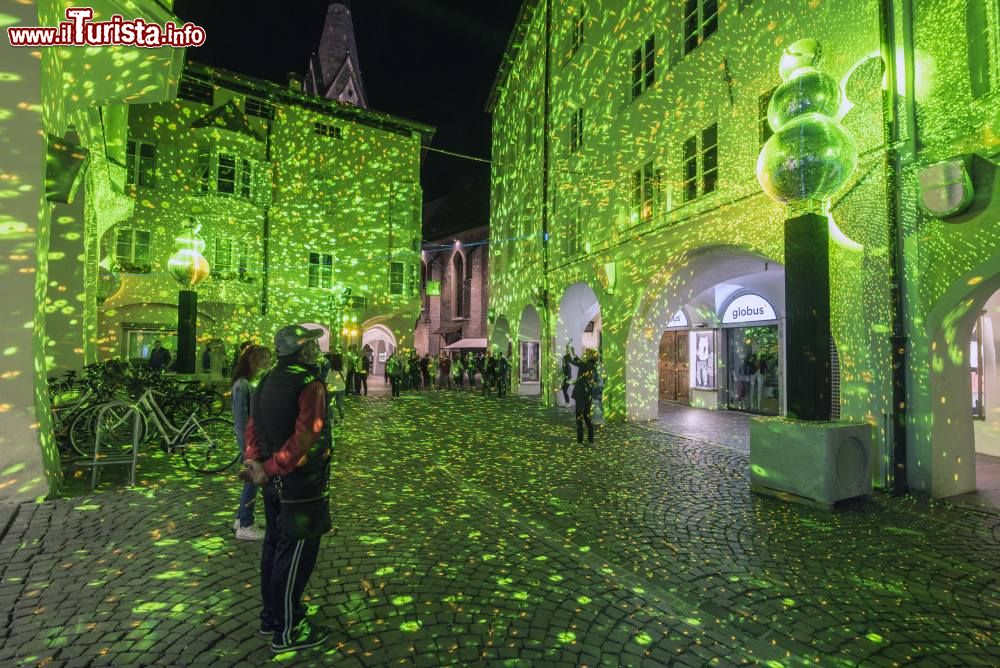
<point>206,444</point>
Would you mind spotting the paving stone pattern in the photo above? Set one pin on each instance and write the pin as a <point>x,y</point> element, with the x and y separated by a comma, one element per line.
<point>475,531</point>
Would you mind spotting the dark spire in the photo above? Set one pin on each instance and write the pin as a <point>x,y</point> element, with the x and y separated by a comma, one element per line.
<point>334,71</point>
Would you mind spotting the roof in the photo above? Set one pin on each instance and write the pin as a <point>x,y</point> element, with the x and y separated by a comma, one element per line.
<point>514,43</point>
<point>467,343</point>
<point>275,93</point>
<point>228,117</point>
<point>335,69</point>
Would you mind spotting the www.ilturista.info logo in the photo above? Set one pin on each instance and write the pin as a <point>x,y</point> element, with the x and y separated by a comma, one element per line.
<point>80,30</point>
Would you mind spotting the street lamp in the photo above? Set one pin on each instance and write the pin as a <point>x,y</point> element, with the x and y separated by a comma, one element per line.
<point>189,268</point>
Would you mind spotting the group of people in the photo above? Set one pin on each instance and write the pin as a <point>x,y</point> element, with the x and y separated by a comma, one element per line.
<point>406,370</point>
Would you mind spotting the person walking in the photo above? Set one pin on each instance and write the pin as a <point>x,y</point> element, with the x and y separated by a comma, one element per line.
<point>414,370</point>
<point>583,391</point>
<point>336,384</point>
<point>288,447</point>
<point>458,373</point>
<point>361,376</point>
<point>503,375</point>
<point>470,368</point>
<point>352,366</point>
<point>489,371</point>
<point>395,368</point>
<point>159,357</point>
<point>250,367</point>
<point>425,371</point>
<point>445,376</point>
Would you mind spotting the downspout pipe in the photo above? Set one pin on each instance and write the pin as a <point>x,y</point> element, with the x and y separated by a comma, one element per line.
<point>546,213</point>
<point>896,18</point>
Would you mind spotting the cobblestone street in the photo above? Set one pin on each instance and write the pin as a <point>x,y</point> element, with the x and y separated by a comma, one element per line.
<point>475,531</point>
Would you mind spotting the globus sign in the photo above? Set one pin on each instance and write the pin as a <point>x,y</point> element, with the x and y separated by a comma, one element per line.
<point>748,308</point>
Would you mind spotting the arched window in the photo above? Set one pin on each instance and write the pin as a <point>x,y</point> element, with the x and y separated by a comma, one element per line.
<point>457,276</point>
<point>467,285</point>
<point>424,276</point>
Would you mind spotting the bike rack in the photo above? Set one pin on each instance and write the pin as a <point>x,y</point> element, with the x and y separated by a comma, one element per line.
<point>132,460</point>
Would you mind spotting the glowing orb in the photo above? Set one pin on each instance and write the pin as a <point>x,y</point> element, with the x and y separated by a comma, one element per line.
<point>810,158</point>
<point>810,92</point>
<point>188,267</point>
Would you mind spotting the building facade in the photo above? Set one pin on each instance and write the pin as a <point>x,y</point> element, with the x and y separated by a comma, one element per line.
<point>627,215</point>
<point>309,210</point>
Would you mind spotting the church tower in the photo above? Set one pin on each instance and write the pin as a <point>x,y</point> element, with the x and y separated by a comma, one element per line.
<point>334,71</point>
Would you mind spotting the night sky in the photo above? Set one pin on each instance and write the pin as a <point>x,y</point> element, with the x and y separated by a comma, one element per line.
<point>432,61</point>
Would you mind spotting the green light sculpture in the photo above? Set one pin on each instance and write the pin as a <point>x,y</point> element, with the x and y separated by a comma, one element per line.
<point>187,265</point>
<point>810,155</point>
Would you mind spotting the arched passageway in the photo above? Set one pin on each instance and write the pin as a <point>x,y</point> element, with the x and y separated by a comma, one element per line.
<point>529,348</point>
<point>579,324</point>
<point>382,343</point>
<point>500,340</point>
<point>709,334</point>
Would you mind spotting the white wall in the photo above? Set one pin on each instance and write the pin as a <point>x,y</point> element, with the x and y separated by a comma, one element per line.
<point>988,431</point>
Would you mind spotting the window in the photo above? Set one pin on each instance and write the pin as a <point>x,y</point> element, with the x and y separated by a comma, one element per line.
<point>982,22</point>
<point>140,163</point>
<point>357,303</point>
<point>196,91</point>
<point>644,67</point>
<point>643,188</point>
<point>132,249</point>
<point>327,130</point>
<point>396,278</point>
<point>320,270</point>
<point>576,37</point>
<point>571,238</point>
<point>764,130</point>
<point>257,107</point>
<point>709,155</point>
<point>457,279</point>
<point>222,259</point>
<point>701,20</point>
<point>576,131</point>
<point>230,174</point>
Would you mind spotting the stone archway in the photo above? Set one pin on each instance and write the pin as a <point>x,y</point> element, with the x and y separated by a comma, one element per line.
<point>379,339</point>
<point>665,295</point>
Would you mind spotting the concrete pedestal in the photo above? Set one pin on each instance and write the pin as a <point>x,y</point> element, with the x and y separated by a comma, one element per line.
<point>817,463</point>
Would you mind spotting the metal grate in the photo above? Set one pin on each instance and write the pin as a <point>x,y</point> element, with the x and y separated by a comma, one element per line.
<point>834,381</point>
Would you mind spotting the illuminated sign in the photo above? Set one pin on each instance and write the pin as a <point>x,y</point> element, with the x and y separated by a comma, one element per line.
<point>433,288</point>
<point>680,319</point>
<point>748,308</point>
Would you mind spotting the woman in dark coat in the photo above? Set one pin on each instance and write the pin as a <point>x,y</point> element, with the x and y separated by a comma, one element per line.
<point>583,391</point>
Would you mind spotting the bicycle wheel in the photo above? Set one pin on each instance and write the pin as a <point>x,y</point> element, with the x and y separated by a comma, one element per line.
<point>81,431</point>
<point>209,446</point>
<point>114,424</point>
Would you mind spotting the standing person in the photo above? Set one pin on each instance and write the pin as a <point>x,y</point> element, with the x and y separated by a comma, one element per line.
<point>583,391</point>
<point>352,367</point>
<point>414,370</point>
<point>288,453</point>
<point>599,391</point>
<point>394,365</point>
<point>503,374</point>
<point>361,376</point>
<point>470,368</point>
<point>432,370</point>
<point>425,370</point>
<point>159,357</point>
<point>458,373</point>
<point>250,367</point>
<point>567,372</point>
<point>489,371</point>
<point>444,379</point>
<point>336,384</point>
<point>239,353</point>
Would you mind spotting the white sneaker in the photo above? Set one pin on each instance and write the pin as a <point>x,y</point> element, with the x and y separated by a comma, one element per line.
<point>249,533</point>
<point>236,524</point>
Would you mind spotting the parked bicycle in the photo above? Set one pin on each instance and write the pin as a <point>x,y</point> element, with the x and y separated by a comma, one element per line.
<point>207,444</point>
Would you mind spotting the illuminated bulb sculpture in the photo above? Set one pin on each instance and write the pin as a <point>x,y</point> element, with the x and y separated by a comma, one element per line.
<point>810,155</point>
<point>188,266</point>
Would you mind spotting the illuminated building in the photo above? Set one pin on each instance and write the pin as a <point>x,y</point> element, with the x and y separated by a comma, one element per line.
<point>455,271</point>
<point>626,213</point>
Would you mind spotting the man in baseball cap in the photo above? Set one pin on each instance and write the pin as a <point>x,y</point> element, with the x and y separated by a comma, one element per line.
<point>288,444</point>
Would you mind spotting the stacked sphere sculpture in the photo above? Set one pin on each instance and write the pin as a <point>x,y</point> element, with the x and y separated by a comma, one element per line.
<point>810,155</point>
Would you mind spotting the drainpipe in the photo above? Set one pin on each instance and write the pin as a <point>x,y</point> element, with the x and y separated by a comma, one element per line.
<point>901,133</point>
<point>547,320</point>
<point>266,233</point>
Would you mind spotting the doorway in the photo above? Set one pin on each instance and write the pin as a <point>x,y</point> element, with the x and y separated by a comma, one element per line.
<point>674,363</point>
<point>753,361</point>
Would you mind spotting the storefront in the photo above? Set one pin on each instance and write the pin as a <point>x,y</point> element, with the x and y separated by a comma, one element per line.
<point>754,360</point>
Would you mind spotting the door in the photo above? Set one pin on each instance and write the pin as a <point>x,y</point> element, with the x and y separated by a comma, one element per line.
<point>673,366</point>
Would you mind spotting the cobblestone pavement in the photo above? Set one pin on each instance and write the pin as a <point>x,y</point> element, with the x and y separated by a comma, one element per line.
<point>476,531</point>
<point>720,427</point>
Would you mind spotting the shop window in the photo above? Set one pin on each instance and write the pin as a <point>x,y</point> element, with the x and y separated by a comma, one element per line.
<point>140,163</point>
<point>320,270</point>
<point>132,250</point>
<point>644,67</point>
<point>397,277</point>
<point>196,91</point>
<point>701,163</point>
<point>576,130</point>
<point>701,20</point>
<point>643,193</point>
